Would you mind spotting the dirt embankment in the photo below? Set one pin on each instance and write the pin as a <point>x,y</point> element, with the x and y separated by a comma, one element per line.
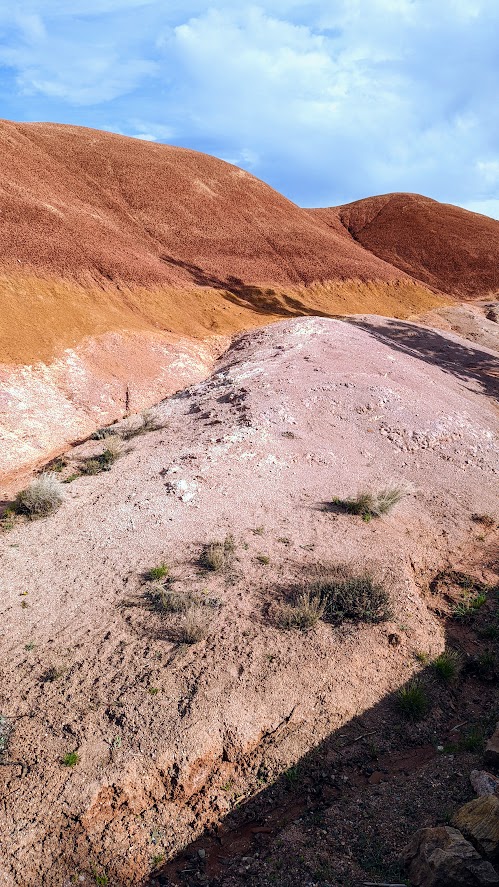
<point>294,415</point>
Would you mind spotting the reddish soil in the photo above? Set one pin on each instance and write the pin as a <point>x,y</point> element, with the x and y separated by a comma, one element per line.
<point>90,204</point>
<point>443,246</point>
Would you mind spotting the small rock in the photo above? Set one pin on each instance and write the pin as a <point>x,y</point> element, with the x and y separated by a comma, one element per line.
<point>202,853</point>
<point>484,783</point>
<point>479,821</point>
<point>441,857</point>
<point>491,755</point>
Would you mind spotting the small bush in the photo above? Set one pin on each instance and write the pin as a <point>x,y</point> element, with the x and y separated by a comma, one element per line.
<point>155,574</point>
<point>303,613</point>
<point>8,519</point>
<point>169,601</point>
<point>195,626</point>
<point>474,740</point>
<point>147,422</point>
<point>43,496</point>
<point>218,555</point>
<point>467,608</point>
<point>5,731</point>
<point>412,700</point>
<point>368,504</point>
<point>263,559</point>
<point>103,461</point>
<point>447,665</point>
<point>70,759</point>
<point>353,596</point>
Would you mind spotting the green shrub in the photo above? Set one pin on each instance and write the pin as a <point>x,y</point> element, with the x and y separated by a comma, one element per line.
<point>155,574</point>
<point>43,496</point>
<point>412,700</point>
<point>347,595</point>
<point>70,759</point>
<point>103,461</point>
<point>447,665</point>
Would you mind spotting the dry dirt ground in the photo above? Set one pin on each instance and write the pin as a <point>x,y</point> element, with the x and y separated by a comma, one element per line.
<point>169,736</point>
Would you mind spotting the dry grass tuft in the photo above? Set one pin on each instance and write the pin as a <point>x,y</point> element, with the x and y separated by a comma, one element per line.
<point>195,626</point>
<point>303,613</point>
<point>218,555</point>
<point>369,504</point>
<point>350,595</point>
<point>43,496</point>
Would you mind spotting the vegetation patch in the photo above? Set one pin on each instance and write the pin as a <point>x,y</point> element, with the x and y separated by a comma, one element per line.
<point>70,759</point>
<point>195,626</point>
<point>155,574</point>
<point>412,700</point>
<point>147,422</point>
<point>447,665</point>
<point>103,461</point>
<point>302,613</point>
<point>347,595</point>
<point>5,732</point>
<point>370,504</point>
<point>218,555</point>
<point>43,496</point>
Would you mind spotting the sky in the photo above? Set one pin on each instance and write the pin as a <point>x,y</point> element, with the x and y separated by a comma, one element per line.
<point>328,101</point>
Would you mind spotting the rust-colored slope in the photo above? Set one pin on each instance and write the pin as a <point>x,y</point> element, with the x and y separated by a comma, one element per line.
<point>443,246</point>
<point>81,202</point>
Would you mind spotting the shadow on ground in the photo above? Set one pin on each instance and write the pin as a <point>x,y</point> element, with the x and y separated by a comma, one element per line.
<point>468,363</point>
<point>342,815</point>
<point>234,290</point>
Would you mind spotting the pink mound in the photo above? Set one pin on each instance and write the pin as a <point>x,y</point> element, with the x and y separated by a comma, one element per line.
<point>443,246</point>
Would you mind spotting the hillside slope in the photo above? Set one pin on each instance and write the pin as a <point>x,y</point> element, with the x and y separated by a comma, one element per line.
<point>443,246</point>
<point>168,736</point>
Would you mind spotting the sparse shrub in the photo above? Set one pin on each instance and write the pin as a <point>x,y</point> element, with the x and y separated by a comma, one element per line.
<point>303,613</point>
<point>218,555</point>
<point>447,665</point>
<point>422,657</point>
<point>169,601</point>
<point>8,519</point>
<point>103,461</point>
<point>349,595</point>
<point>5,731</point>
<point>369,504</point>
<point>485,519</point>
<point>467,608</point>
<point>71,477</point>
<point>43,496</point>
<point>155,574</point>
<point>412,700</point>
<point>147,422</point>
<point>195,626</point>
<point>70,759</point>
<point>474,740</point>
<point>263,559</point>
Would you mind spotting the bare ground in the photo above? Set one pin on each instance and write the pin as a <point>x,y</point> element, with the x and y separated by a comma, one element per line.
<point>293,416</point>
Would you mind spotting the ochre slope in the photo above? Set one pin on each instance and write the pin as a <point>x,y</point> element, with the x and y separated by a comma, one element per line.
<point>443,246</point>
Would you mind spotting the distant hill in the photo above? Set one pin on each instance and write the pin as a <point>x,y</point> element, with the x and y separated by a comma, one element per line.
<point>443,246</point>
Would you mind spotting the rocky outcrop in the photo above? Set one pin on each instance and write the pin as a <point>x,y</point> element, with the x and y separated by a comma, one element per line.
<point>442,857</point>
<point>479,821</point>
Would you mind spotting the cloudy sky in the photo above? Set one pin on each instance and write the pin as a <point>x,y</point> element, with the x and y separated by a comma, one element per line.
<point>328,101</point>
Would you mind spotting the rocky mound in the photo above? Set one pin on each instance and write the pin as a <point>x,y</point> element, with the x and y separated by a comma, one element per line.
<point>121,740</point>
<point>443,246</point>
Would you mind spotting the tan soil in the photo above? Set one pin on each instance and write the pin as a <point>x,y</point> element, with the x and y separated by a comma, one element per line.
<point>294,414</point>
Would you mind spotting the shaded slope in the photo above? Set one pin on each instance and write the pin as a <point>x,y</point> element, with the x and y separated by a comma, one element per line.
<point>443,246</point>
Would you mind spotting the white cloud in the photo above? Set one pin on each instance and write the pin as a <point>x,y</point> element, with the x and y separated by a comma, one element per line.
<point>328,100</point>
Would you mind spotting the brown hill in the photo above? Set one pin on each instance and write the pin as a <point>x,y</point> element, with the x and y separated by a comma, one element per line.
<point>443,246</point>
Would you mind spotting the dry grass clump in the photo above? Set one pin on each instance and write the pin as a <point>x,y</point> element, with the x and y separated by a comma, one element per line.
<point>167,600</point>
<point>147,422</point>
<point>349,595</point>
<point>369,504</point>
<point>5,731</point>
<point>218,555</point>
<point>103,461</point>
<point>43,496</point>
<point>195,626</point>
<point>447,665</point>
<point>303,613</point>
<point>412,700</point>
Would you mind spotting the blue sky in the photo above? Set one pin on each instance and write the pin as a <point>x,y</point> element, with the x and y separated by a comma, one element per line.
<point>328,101</point>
